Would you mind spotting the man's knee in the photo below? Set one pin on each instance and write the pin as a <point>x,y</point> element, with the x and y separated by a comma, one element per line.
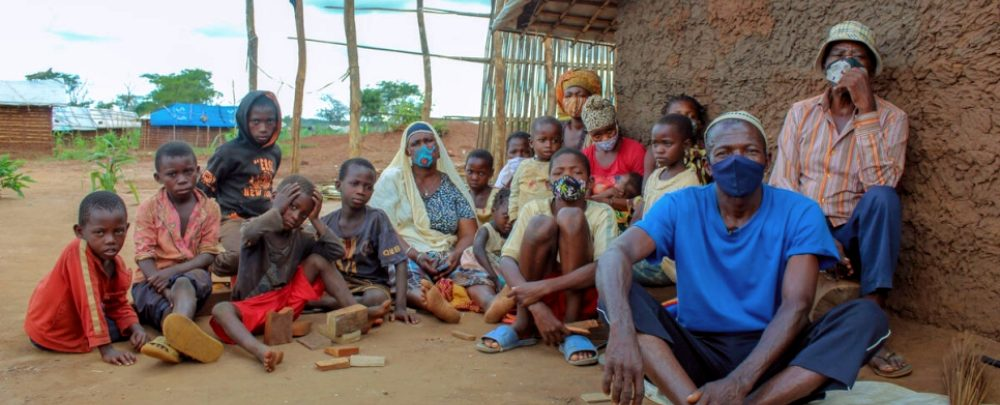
<point>865,314</point>
<point>881,197</point>
<point>571,219</point>
<point>542,229</point>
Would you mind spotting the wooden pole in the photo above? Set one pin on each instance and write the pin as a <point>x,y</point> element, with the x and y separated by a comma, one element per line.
<point>425,113</point>
<point>251,47</point>
<point>354,130</point>
<point>300,82</point>
<point>500,92</point>
<point>550,78</point>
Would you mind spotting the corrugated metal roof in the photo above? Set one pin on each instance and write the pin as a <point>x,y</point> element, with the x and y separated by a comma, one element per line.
<point>72,119</point>
<point>194,115</point>
<point>105,118</point>
<point>33,92</point>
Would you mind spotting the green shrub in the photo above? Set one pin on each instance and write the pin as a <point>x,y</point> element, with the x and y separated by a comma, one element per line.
<point>71,146</point>
<point>110,153</point>
<point>11,176</point>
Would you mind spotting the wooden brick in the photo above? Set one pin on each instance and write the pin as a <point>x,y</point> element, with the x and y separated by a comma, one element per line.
<point>358,360</point>
<point>333,364</point>
<point>345,320</point>
<point>462,335</point>
<point>278,327</point>
<point>301,328</point>
<point>577,331</point>
<point>314,341</point>
<point>342,351</point>
<point>595,397</point>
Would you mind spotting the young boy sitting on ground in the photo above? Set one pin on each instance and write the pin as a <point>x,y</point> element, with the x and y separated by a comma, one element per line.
<point>531,180</point>
<point>670,142</point>
<point>478,172</point>
<point>370,243</point>
<point>81,304</point>
<point>518,149</point>
<point>549,263</point>
<point>485,254</point>
<point>282,266</point>
<point>240,173</point>
<point>176,238</point>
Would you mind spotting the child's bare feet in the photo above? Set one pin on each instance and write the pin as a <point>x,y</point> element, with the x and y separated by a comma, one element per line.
<point>270,358</point>
<point>437,305</point>
<point>111,355</point>
<point>377,312</point>
<point>501,305</point>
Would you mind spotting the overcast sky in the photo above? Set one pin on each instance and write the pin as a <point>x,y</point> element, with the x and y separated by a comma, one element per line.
<point>110,44</point>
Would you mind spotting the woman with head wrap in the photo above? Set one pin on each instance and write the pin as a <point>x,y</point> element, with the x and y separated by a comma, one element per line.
<point>572,90</point>
<point>430,207</point>
<point>613,157</point>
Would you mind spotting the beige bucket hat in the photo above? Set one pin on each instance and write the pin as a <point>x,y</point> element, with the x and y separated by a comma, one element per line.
<point>850,31</point>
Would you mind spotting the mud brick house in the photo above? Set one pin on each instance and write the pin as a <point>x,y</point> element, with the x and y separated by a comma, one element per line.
<point>941,66</point>
<point>26,114</point>
<point>196,124</point>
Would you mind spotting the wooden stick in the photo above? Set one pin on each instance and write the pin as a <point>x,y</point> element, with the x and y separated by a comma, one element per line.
<point>425,112</point>
<point>354,128</point>
<point>251,47</point>
<point>300,81</point>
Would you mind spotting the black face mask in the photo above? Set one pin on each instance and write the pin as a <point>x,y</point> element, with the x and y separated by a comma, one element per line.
<point>836,69</point>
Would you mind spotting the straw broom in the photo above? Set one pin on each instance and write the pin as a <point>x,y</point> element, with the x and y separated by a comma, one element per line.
<point>964,373</point>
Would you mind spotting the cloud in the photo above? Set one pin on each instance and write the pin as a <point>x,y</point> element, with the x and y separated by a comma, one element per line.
<point>79,36</point>
<point>221,31</point>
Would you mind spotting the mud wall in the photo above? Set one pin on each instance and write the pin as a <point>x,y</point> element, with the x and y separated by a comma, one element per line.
<point>942,66</point>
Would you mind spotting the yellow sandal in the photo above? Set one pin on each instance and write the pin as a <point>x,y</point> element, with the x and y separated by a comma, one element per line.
<point>159,349</point>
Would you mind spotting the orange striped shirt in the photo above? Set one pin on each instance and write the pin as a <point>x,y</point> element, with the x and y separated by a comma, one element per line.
<point>835,168</point>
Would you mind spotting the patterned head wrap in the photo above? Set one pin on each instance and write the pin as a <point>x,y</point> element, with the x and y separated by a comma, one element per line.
<point>585,79</point>
<point>598,113</point>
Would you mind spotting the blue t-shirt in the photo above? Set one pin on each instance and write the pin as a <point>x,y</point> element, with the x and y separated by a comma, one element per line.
<point>731,282</point>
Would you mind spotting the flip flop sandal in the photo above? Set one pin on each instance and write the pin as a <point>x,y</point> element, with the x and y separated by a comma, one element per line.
<point>889,355</point>
<point>506,337</point>
<point>577,344</point>
<point>159,349</point>
<point>185,336</point>
<point>653,393</point>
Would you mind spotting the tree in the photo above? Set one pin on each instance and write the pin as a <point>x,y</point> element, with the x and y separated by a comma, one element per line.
<point>390,105</point>
<point>75,88</point>
<point>336,112</point>
<point>188,86</point>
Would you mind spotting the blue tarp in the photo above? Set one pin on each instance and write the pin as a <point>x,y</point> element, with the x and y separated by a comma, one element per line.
<point>194,115</point>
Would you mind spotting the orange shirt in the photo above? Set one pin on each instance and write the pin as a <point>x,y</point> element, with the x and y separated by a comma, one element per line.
<point>158,231</point>
<point>69,309</point>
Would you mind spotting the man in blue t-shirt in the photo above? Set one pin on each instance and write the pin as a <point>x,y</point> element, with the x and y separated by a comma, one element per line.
<point>748,256</point>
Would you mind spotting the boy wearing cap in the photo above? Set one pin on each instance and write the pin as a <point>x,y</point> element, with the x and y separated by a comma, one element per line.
<point>846,149</point>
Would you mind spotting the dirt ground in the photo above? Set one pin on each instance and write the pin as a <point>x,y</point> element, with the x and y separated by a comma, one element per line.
<point>425,364</point>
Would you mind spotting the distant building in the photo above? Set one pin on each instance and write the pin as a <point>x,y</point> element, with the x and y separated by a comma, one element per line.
<point>196,124</point>
<point>26,115</point>
<point>89,122</point>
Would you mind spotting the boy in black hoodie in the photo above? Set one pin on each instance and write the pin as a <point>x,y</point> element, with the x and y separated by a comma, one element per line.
<point>240,173</point>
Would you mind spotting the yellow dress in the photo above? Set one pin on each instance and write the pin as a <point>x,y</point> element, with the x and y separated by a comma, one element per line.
<point>530,182</point>
<point>485,214</point>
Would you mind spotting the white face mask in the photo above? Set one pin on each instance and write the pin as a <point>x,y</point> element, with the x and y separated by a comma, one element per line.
<point>607,145</point>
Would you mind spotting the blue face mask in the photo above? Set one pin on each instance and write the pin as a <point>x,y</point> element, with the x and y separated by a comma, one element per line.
<point>738,176</point>
<point>424,157</point>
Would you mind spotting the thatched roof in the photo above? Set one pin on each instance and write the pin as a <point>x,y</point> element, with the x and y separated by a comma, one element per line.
<point>578,20</point>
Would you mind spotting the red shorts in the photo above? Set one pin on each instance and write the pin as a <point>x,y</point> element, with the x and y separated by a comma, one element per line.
<point>253,310</point>
<point>557,302</point>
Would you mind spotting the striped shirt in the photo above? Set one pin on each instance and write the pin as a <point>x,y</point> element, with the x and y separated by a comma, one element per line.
<point>835,168</point>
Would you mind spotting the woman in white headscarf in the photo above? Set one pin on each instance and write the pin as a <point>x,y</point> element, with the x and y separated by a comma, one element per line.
<point>431,209</point>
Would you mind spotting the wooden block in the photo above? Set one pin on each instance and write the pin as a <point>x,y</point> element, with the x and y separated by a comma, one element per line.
<point>587,324</point>
<point>346,320</point>
<point>358,360</point>
<point>462,335</point>
<point>595,397</point>
<point>278,327</point>
<point>348,338</point>
<point>342,351</point>
<point>333,364</point>
<point>301,328</point>
<point>314,341</point>
<point>577,330</point>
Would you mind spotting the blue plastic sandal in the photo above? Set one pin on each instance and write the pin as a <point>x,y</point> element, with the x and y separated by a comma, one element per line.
<point>578,344</point>
<point>506,337</point>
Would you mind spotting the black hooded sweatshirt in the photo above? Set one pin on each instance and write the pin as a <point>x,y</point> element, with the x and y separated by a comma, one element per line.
<point>240,174</point>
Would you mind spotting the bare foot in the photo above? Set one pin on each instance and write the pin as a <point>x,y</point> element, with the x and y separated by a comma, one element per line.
<point>270,359</point>
<point>501,305</point>
<point>380,311</point>
<point>437,305</point>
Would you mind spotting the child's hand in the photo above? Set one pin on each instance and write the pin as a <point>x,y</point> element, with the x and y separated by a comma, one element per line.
<point>317,205</point>
<point>159,281</point>
<point>139,337</point>
<point>401,315</point>
<point>112,356</point>
<point>285,196</point>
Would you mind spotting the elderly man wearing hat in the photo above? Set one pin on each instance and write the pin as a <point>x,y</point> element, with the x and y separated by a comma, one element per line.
<point>748,256</point>
<point>846,149</point>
